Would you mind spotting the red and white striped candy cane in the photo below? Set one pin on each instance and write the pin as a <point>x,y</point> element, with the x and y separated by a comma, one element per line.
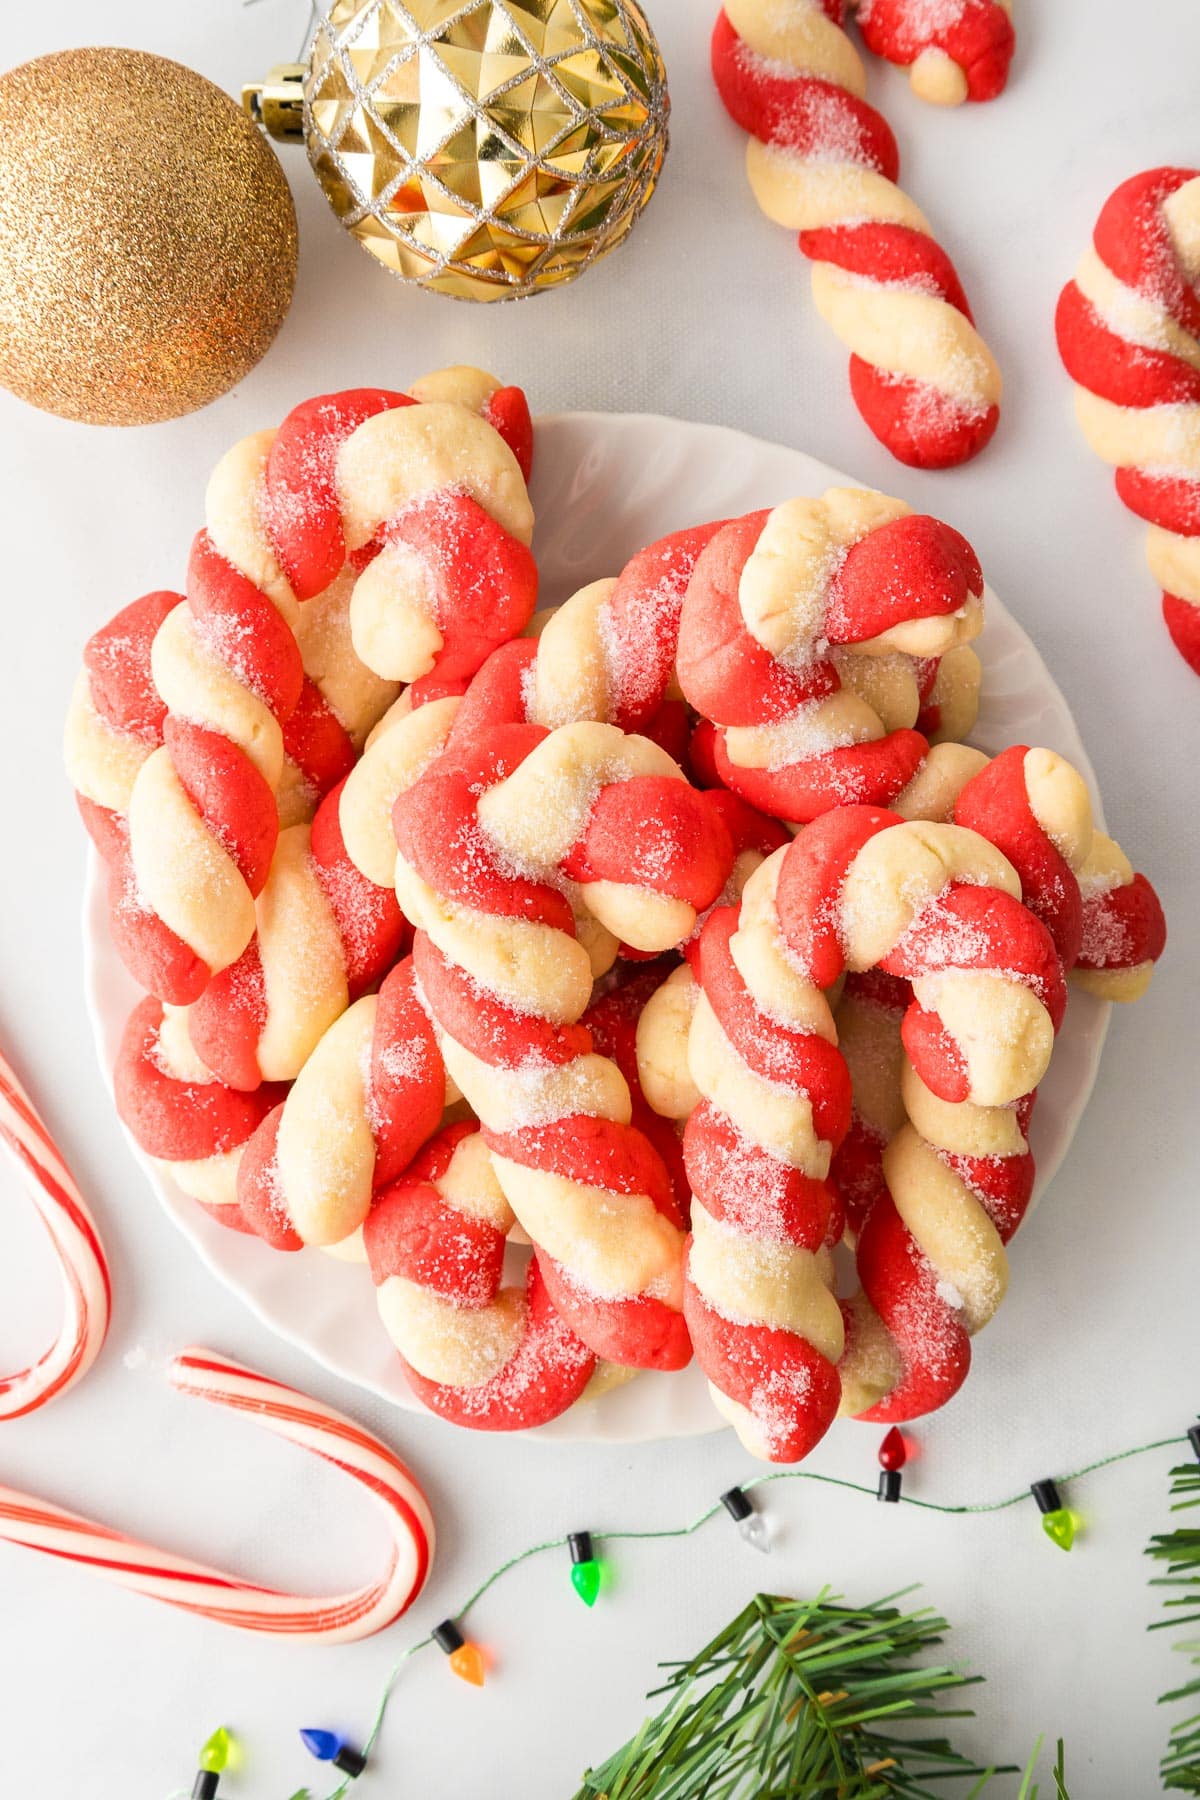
<point>77,1246</point>
<point>338,1619</point>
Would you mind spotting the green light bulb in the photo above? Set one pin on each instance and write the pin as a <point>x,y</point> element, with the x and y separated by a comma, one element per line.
<point>585,1579</point>
<point>1059,1526</point>
<point>215,1754</point>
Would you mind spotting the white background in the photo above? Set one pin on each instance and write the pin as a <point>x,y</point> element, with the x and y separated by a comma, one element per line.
<point>704,314</point>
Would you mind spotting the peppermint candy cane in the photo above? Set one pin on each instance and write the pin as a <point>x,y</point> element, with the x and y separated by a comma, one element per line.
<point>338,1619</point>
<point>77,1245</point>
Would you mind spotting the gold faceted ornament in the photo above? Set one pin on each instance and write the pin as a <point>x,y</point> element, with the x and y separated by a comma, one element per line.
<point>486,149</point>
<point>148,240</point>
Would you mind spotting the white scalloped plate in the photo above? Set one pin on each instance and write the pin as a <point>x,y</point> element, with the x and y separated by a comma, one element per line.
<point>606,484</point>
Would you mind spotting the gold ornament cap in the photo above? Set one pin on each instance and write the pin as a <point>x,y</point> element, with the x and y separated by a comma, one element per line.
<point>486,149</point>
<point>148,239</point>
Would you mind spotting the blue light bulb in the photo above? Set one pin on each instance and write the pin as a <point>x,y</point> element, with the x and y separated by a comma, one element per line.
<point>324,1745</point>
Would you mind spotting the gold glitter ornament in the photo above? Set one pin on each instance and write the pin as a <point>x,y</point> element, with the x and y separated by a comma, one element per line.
<point>147,238</point>
<point>486,149</point>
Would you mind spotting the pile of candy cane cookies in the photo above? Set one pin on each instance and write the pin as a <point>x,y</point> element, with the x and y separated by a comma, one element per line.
<point>675,933</point>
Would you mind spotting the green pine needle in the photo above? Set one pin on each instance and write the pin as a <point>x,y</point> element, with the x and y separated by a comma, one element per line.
<point>798,1699</point>
<point>1180,1550</point>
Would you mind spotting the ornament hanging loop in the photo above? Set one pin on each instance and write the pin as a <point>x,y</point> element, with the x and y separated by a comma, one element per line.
<point>277,102</point>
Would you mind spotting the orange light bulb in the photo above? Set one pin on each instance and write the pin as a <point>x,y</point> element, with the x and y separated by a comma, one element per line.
<point>467,1663</point>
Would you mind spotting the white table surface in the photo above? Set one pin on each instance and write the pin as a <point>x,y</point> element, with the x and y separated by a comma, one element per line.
<point>705,314</point>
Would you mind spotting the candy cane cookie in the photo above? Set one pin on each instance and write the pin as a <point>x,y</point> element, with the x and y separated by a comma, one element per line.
<point>822,162</point>
<point>483,1355</point>
<point>774,1104</point>
<point>1128,330</point>
<point>496,842</point>
<point>807,637</point>
<point>937,906</point>
<point>954,50</point>
<point>372,1091</point>
<point>177,1112</point>
<point>429,503</point>
<point>195,1587</point>
<point>975,1160</point>
<point>83,1266</point>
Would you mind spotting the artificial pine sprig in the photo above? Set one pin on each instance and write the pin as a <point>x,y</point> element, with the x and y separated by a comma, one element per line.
<point>1180,1550</point>
<point>795,1700</point>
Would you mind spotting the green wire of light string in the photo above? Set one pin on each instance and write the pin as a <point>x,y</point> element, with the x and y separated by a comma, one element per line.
<point>685,1531</point>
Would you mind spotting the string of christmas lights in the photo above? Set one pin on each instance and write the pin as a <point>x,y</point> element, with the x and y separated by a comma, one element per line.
<point>467,1660</point>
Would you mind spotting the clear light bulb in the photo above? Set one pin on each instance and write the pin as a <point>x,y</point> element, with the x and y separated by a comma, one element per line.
<point>756,1532</point>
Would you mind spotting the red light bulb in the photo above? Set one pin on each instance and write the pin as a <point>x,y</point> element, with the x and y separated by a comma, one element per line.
<point>893,1452</point>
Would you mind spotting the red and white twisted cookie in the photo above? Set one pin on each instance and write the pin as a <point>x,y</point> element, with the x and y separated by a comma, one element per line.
<point>935,905</point>
<point>195,1587</point>
<point>1129,333</point>
<point>194,1126</point>
<point>822,162</point>
<point>961,1175</point>
<point>87,1291</point>
<point>525,857</point>
<point>483,1355</point>
<point>954,50</point>
<point>430,505</point>
<point>774,1105</point>
<point>809,637</point>
<point>369,1095</point>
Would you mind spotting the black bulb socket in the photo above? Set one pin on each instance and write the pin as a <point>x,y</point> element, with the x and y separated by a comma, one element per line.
<point>580,1545</point>
<point>448,1637</point>
<point>205,1785</point>
<point>736,1504</point>
<point>1194,1440</point>
<point>1047,1495</point>
<point>350,1761</point>
<point>889,1485</point>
